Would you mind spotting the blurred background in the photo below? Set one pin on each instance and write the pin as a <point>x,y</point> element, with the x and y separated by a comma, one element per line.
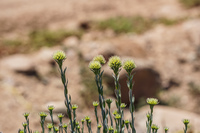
<point>162,36</point>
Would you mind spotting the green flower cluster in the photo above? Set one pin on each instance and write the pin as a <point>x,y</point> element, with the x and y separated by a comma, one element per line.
<point>115,63</point>
<point>129,65</point>
<point>100,59</point>
<point>95,66</point>
<point>59,56</point>
<point>152,101</point>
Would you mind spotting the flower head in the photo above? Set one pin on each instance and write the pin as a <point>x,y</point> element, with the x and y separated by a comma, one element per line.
<point>117,116</point>
<point>36,132</point>
<point>82,120</point>
<point>49,125</point>
<point>65,126</point>
<point>43,114</point>
<point>99,126</point>
<point>100,59</point>
<point>123,105</point>
<point>129,65</point>
<point>74,107</point>
<point>95,103</point>
<point>95,66</point>
<point>152,101</point>
<point>115,63</point>
<point>186,121</point>
<point>154,127</point>
<point>50,108</point>
<point>166,128</point>
<point>26,115</point>
<point>109,101</point>
<point>110,128</point>
<point>59,56</point>
<point>87,118</point>
<point>24,124</point>
<point>56,129</point>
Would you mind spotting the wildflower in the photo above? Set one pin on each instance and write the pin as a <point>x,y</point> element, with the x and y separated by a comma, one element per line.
<point>60,116</point>
<point>56,129</point>
<point>77,123</point>
<point>59,56</point>
<point>95,103</point>
<point>115,63</point>
<point>154,126</point>
<point>82,120</point>
<point>110,128</point>
<point>109,101</point>
<point>186,121</point>
<point>100,59</point>
<point>152,101</point>
<point>123,105</point>
<point>126,121</point>
<point>49,125</point>
<point>21,131</point>
<point>99,126</point>
<point>50,108</point>
<point>95,66</point>
<point>115,112</point>
<point>65,126</point>
<point>36,132</point>
<point>43,114</point>
<point>74,107</point>
<point>117,116</point>
<point>26,115</point>
<point>87,118</point>
<point>166,129</point>
<point>24,124</point>
<point>129,65</point>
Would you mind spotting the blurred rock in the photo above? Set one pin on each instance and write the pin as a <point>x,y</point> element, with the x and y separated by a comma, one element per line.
<point>71,41</point>
<point>165,116</point>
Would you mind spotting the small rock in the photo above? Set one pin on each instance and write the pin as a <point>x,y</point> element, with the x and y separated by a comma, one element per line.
<point>71,41</point>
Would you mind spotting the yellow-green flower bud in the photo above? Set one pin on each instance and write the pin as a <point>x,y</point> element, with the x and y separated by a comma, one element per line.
<point>154,127</point>
<point>129,65</point>
<point>152,101</point>
<point>87,118</point>
<point>24,124</point>
<point>82,120</point>
<point>95,103</point>
<point>186,121</point>
<point>43,114</point>
<point>100,59</point>
<point>109,101</point>
<point>74,107</point>
<point>26,115</point>
<point>115,63</point>
<point>110,128</point>
<point>50,108</point>
<point>65,126</point>
<point>95,66</point>
<point>59,56</point>
<point>117,116</point>
<point>123,105</point>
<point>115,112</point>
<point>36,132</point>
<point>166,128</point>
<point>56,129</point>
<point>99,126</point>
<point>49,125</point>
<point>126,121</point>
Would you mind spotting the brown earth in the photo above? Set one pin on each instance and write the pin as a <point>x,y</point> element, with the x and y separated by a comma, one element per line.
<point>29,81</point>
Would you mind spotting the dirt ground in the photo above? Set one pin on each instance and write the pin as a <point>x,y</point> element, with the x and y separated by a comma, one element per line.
<point>173,51</point>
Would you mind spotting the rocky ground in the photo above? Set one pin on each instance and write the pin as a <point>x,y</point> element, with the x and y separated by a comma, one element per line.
<point>167,59</point>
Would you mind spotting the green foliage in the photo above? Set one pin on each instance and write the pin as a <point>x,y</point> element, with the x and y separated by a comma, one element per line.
<point>36,39</point>
<point>39,38</point>
<point>190,3</point>
<point>135,24</point>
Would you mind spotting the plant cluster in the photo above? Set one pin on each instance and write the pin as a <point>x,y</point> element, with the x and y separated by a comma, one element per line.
<point>106,122</point>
